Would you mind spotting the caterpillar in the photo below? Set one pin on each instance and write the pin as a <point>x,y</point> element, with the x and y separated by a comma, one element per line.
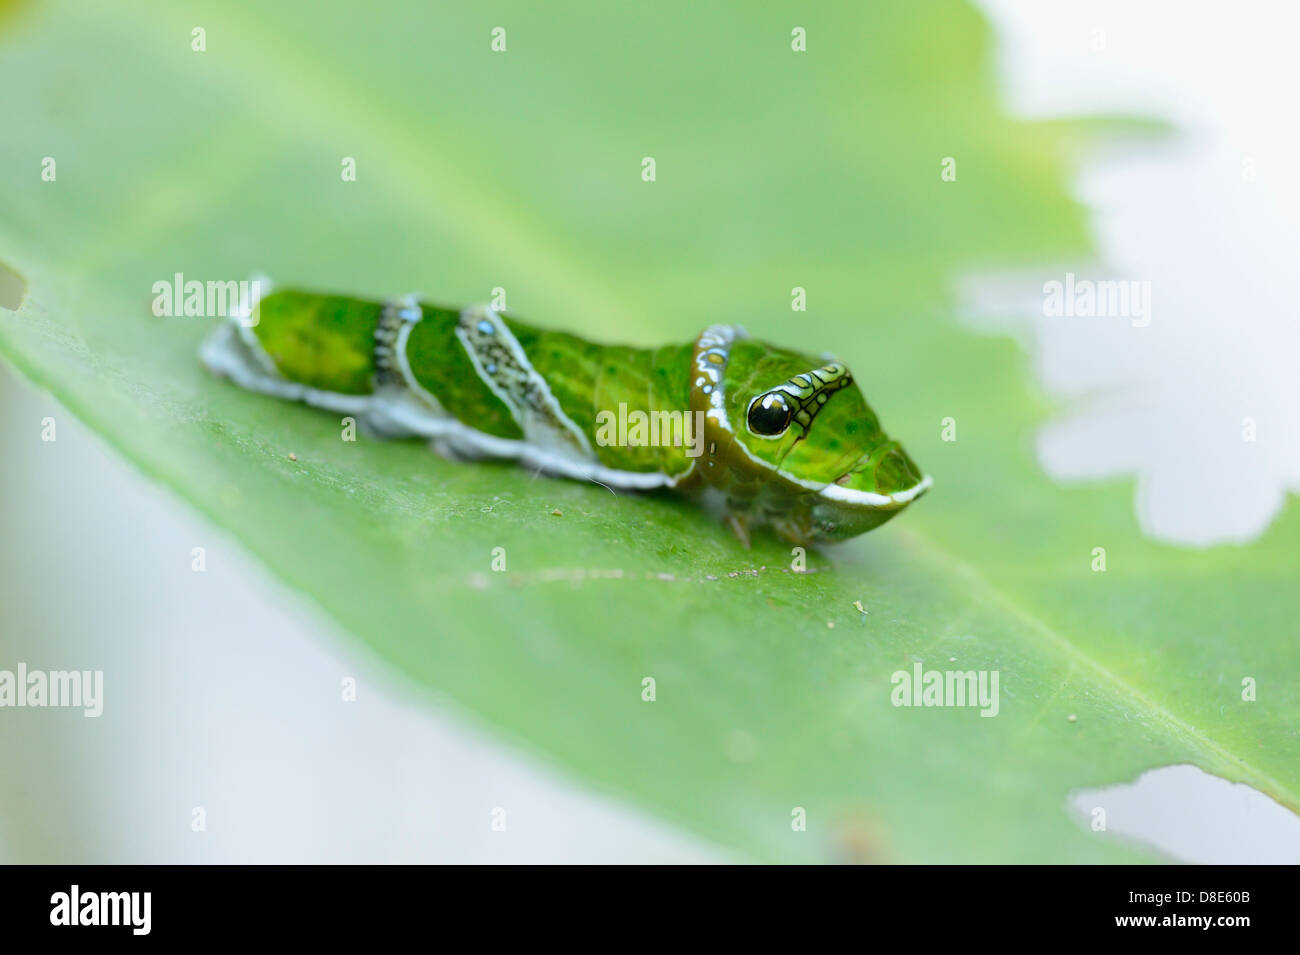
<point>769,435</point>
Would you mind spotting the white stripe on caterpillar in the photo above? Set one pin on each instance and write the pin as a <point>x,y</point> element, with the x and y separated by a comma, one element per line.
<point>502,365</point>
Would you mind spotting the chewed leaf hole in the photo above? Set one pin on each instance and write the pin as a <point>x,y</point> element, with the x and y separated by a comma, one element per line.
<point>1193,816</point>
<point>13,288</point>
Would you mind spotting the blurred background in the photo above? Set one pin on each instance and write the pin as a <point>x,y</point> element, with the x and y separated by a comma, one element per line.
<point>238,713</point>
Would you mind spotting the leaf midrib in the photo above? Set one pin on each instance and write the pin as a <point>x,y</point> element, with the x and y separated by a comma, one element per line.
<point>981,587</point>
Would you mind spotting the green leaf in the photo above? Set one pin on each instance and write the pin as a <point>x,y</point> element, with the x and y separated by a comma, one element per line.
<point>522,170</point>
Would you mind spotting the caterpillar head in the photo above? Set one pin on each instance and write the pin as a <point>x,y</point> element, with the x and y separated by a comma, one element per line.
<point>790,439</point>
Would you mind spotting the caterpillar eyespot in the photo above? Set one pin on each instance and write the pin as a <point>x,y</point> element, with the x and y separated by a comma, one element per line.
<point>769,415</point>
<point>795,447</point>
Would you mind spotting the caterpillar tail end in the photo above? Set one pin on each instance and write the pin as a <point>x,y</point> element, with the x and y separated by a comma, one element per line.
<point>231,350</point>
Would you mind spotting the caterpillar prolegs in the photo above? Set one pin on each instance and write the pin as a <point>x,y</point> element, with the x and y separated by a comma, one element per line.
<point>779,437</point>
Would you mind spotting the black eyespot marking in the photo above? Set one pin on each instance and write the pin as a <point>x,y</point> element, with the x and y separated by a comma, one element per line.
<point>797,401</point>
<point>770,414</point>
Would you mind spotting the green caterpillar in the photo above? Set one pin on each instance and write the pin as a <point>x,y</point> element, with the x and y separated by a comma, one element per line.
<point>774,436</point>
